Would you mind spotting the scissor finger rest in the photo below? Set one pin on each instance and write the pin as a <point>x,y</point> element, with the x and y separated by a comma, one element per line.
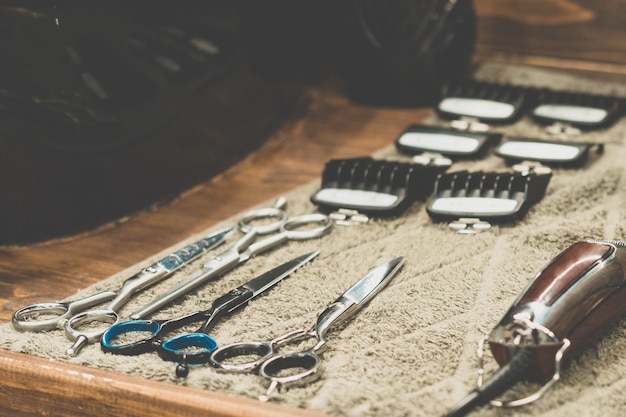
<point>117,331</point>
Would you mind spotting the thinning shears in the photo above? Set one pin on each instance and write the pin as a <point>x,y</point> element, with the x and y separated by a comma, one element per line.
<point>70,315</point>
<point>193,348</point>
<point>305,364</point>
<point>295,228</point>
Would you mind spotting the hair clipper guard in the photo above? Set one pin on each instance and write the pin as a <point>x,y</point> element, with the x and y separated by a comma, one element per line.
<point>488,196</point>
<point>552,153</point>
<point>374,187</point>
<point>485,102</point>
<point>451,143</point>
<point>583,111</point>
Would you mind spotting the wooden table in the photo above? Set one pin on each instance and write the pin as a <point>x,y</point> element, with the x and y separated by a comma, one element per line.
<point>555,34</point>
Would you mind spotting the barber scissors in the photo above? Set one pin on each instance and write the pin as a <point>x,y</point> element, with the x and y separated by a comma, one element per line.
<point>304,364</point>
<point>193,348</point>
<point>72,314</point>
<point>288,229</point>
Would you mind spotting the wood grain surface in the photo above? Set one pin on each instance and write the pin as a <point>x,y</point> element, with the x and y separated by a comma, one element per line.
<point>40,387</point>
<point>583,36</point>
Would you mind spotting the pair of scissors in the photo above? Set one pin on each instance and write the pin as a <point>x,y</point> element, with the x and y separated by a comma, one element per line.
<point>194,348</point>
<point>305,364</point>
<point>48,316</point>
<point>294,228</point>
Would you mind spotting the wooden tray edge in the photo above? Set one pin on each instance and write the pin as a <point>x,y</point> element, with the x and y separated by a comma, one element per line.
<point>34,386</point>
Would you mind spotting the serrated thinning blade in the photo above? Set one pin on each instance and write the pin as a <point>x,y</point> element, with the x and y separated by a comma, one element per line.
<point>270,278</point>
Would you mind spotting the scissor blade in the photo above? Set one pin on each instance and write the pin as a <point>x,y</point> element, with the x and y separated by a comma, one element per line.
<point>267,280</point>
<point>373,282</point>
<point>240,296</point>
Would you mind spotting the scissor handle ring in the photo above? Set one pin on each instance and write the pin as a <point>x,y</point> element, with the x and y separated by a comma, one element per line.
<point>290,226</point>
<point>62,312</point>
<point>104,316</point>
<point>263,213</point>
<point>308,360</point>
<point>173,349</point>
<point>134,348</point>
<point>20,322</point>
<point>262,350</point>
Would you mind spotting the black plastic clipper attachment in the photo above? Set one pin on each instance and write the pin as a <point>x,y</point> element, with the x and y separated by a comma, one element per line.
<point>487,196</point>
<point>484,102</point>
<point>582,111</point>
<point>451,143</point>
<point>551,153</point>
<point>374,187</point>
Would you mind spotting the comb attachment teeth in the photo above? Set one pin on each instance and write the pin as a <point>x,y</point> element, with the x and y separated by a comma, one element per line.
<point>488,196</point>
<point>374,187</point>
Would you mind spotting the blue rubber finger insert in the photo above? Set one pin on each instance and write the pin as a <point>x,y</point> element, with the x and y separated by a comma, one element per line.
<point>174,349</point>
<point>119,329</point>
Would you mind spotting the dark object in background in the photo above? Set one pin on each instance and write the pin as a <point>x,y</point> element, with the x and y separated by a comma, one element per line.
<point>394,53</point>
<point>402,52</point>
<point>109,108</point>
<point>92,77</point>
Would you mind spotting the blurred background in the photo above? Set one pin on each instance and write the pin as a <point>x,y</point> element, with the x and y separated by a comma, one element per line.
<point>110,109</point>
